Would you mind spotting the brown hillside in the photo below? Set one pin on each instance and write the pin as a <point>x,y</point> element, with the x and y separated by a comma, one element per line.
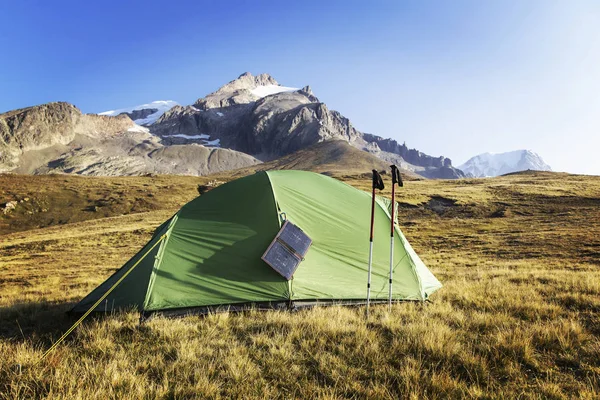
<point>334,157</point>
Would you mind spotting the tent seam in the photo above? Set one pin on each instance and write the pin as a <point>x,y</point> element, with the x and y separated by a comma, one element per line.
<point>158,262</point>
<point>277,210</point>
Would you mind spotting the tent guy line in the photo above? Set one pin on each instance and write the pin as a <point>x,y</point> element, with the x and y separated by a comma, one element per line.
<point>84,316</point>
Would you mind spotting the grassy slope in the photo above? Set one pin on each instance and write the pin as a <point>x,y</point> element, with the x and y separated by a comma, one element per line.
<point>518,316</point>
<point>334,158</point>
<point>62,199</point>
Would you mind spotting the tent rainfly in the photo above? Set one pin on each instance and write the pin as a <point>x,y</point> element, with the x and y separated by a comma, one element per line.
<point>209,255</point>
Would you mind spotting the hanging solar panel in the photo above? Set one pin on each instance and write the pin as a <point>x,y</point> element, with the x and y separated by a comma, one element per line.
<point>287,250</point>
<point>293,236</point>
<point>281,259</point>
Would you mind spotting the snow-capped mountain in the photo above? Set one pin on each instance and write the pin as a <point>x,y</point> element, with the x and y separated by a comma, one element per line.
<point>494,164</point>
<point>251,119</point>
<point>256,115</point>
<point>144,114</point>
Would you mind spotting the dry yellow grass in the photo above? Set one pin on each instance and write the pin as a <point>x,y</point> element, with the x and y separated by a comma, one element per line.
<point>518,317</point>
<point>48,200</point>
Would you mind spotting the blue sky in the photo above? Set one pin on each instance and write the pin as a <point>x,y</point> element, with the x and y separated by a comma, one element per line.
<point>453,78</point>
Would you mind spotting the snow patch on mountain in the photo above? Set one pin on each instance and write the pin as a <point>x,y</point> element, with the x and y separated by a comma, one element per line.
<point>267,90</point>
<point>203,138</point>
<point>181,135</point>
<point>161,106</point>
<point>495,164</point>
<point>138,128</point>
<point>213,143</point>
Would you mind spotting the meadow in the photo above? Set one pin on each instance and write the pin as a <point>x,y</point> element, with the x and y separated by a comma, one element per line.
<point>518,316</point>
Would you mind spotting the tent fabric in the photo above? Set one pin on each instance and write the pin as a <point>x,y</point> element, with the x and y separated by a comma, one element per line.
<point>211,255</point>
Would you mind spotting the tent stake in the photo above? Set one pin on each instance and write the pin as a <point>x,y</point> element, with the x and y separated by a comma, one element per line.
<point>377,184</point>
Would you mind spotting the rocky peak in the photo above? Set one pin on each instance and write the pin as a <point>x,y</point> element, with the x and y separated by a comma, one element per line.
<point>26,126</point>
<point>43,126</point>
<point>245,89</point>
<point>307,91</point>
<point>57,108</point>
<point>247,81</point>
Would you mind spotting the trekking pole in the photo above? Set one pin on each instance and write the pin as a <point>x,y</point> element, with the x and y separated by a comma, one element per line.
<point>396,179</point>
<point>377,184</point>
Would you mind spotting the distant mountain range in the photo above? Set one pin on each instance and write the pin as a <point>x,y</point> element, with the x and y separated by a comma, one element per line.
<point>248,121</point>
<point>489,164</point>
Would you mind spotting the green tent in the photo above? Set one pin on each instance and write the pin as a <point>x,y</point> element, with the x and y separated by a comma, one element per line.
<point>209,253</point>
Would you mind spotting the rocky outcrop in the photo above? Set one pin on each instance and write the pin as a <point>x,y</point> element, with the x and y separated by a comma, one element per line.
<point>9,207</point>
<point>284,123</point>
<point>58,138</point>
<point>40,127</point>
<point>412,156</point>
<point>36,127</point>
<point>307,91</point>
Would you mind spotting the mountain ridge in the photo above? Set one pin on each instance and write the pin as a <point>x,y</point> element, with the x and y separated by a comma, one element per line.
<point>59,138</point>
<point>249,120</point>
<point>283,122</point>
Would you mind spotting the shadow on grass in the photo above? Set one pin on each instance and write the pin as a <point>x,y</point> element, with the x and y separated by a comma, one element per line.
<point>35,321</point>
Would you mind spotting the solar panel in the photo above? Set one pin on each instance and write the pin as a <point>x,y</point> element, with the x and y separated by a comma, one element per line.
<point>282,260</point>
<point>293,236</point>
<point>287,250</point>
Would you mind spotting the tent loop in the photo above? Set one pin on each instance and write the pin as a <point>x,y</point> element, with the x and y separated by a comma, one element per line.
<point>283,216</point>
<point>100,300</point>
